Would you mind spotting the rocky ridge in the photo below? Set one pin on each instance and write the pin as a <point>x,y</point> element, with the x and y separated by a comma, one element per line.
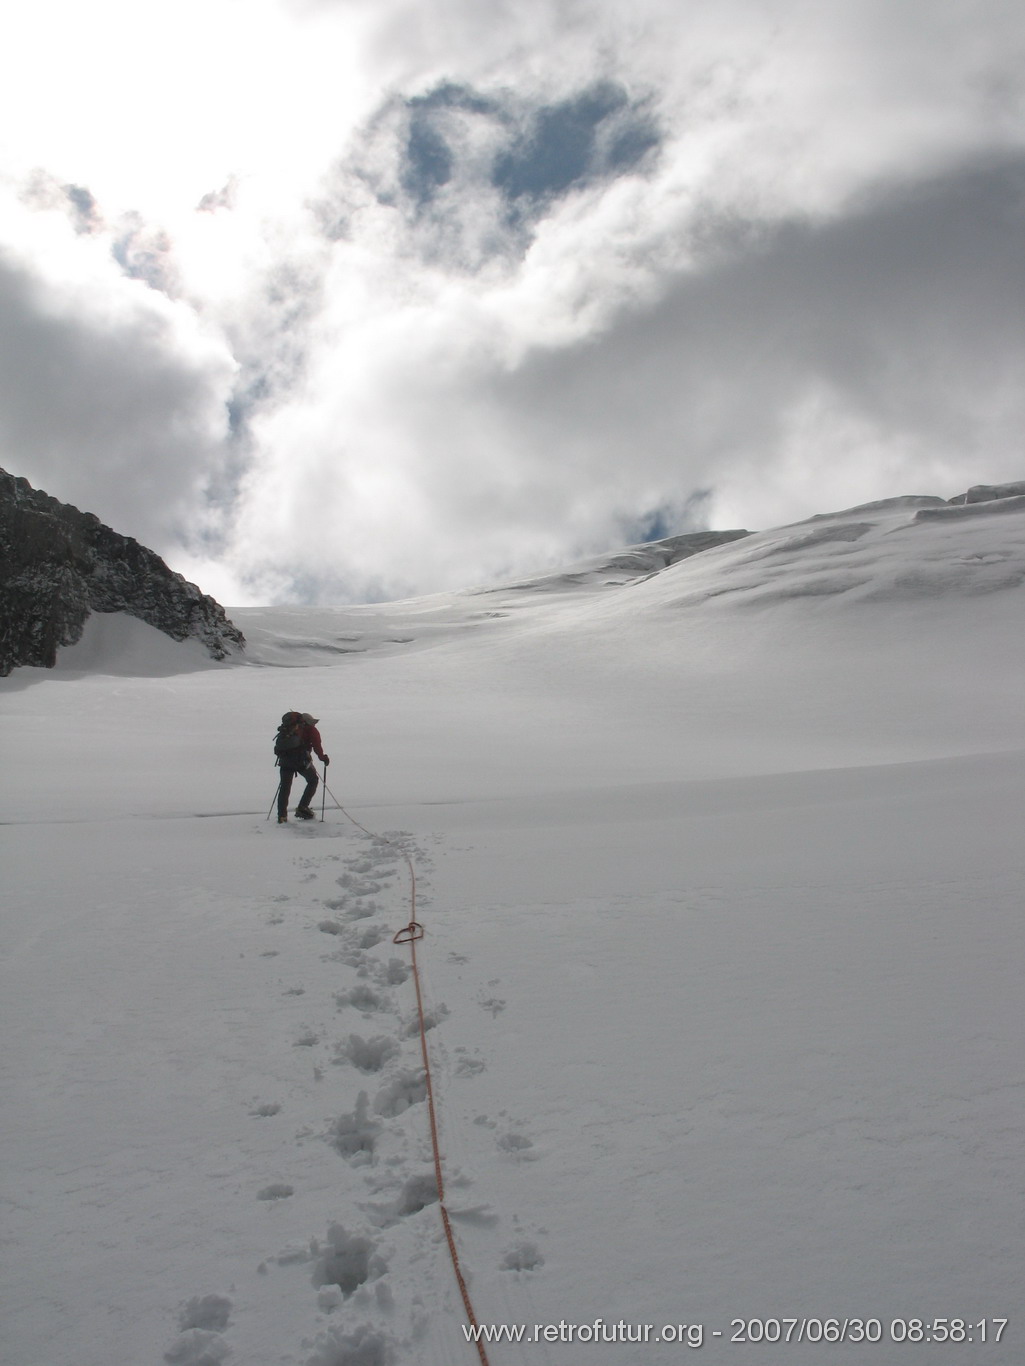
<point>58,565</point>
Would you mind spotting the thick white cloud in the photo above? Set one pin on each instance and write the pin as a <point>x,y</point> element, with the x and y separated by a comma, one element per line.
<point>111,395</point>
<point>463,313</point>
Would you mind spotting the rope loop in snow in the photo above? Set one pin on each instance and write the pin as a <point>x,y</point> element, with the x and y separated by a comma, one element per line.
<point>414,930</point>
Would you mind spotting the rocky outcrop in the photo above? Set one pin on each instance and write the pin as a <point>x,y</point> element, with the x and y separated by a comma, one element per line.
<point>57,565</point>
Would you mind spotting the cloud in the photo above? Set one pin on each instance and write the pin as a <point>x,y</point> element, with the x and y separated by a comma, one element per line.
<point>409,296</point>
<point>902,322</point>
<point>111,396</point>
<point>814,363</point>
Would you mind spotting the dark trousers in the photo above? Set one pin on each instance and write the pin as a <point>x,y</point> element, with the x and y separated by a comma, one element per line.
<point>287,774</point>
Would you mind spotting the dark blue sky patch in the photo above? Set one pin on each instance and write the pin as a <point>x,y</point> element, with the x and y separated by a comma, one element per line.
<point>429,160</point>
<point>541,153</point>
<point>669,519</point>
<point>595,134</point>
<point>84,209</point>
<point>632,143</point>
<point>243,403</point>
<point>652,526</point>
<point>559,149</point>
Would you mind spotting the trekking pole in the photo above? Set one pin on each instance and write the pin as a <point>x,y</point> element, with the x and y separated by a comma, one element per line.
<point>273,799</point>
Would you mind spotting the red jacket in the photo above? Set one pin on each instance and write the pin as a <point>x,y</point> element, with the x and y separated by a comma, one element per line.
<point>309,738</point>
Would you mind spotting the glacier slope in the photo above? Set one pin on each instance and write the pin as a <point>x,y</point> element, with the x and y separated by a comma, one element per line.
<point>721,872</point>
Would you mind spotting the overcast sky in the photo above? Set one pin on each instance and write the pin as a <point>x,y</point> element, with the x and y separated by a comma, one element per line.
<point>328,300</point>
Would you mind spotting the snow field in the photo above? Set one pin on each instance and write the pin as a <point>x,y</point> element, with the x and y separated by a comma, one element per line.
<point>722,967</point>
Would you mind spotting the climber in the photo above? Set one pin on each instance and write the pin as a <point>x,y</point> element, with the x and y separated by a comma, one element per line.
<point>297,740</point>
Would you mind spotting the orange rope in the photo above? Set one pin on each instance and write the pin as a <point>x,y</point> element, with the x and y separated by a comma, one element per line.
<point>409,934</point>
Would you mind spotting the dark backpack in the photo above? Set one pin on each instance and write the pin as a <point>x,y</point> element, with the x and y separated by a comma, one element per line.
<point>288,740</point>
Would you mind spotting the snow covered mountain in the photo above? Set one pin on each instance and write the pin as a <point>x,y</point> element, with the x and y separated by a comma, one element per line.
<point>720,867</point>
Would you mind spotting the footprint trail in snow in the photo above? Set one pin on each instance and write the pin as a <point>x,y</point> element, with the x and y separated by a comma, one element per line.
<point>377,1270</point>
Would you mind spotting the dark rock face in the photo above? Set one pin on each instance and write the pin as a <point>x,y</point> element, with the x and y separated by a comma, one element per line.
<point>58,564</point>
